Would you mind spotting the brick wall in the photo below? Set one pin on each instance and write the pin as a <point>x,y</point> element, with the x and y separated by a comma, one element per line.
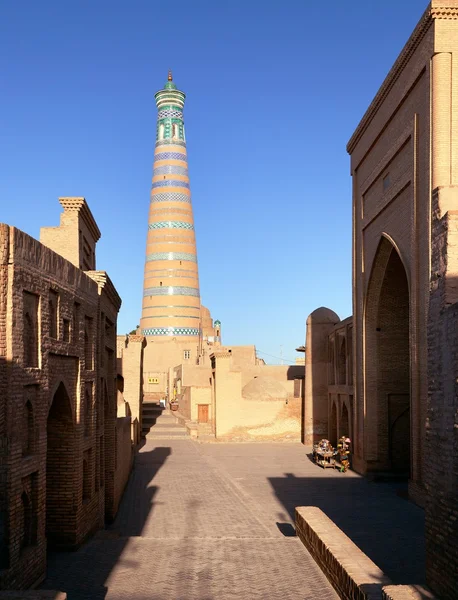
<point>58,407</point>
<point>390,165</point>
<point>441,464</point>
<point>124,458</point>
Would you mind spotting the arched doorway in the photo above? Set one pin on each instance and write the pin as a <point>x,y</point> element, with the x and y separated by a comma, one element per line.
<point>333,424</point>
<point>60,472</point>
<point>344,428</point>
<point>342,361</point>
<point>387,363</point>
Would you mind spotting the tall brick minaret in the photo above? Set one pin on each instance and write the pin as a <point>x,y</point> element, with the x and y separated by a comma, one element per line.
<point>171,298</point>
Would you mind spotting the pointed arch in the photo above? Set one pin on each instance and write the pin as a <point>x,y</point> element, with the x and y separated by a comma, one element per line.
<point>344,428</point>
<point>333,424</point>
<point>387,359</point>
<point>60,471</point>
<point>28,429</point>
<point>342,360</point>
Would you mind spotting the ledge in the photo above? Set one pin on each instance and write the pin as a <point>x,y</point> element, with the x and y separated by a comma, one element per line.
<point>352,573</point>
<point>407,592</point>
<point>33,595</point>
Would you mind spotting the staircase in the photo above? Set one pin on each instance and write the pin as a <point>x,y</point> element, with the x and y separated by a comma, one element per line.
<point>159,423</point>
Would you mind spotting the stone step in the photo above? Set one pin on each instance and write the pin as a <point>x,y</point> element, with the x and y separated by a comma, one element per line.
<point>152,411</point>
<point>167,435</point>
<point>164,428</point>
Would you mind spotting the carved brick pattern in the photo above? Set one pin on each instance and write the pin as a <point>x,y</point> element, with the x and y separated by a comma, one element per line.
<point>171,211</point>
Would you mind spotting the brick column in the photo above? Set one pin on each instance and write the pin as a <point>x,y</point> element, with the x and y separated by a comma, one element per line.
<point>132,370</point>
<point>441,456</point>
<point>319,325</point>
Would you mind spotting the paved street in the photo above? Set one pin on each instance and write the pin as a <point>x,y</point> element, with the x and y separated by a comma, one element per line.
<point>207,521</point>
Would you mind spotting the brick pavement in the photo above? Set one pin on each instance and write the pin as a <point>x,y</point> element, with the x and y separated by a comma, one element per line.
<point>187,529</point>
<point>279,477</point>
<point>204,521</point>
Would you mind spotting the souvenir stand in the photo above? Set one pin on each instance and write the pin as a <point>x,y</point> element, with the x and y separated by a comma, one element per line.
<point>343,453</point>
<point>324,454</point>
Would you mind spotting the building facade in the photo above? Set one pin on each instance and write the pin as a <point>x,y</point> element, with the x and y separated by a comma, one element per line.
<point>404,330</point>
<point>65,456</point>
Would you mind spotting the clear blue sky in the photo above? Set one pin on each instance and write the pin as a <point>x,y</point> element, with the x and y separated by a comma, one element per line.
<point>274,92</point>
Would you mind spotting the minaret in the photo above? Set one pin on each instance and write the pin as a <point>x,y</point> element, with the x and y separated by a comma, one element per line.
<point>171,298</point>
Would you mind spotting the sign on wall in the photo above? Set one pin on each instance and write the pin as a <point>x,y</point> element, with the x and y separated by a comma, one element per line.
<point>153,379</point>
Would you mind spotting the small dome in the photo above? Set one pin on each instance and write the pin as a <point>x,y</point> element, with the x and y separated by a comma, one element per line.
<point>323,315</point>
<point>264,388</point>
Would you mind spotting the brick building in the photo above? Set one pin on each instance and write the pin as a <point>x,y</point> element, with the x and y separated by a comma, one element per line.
<point>404,330</point>
<point>64,455</point>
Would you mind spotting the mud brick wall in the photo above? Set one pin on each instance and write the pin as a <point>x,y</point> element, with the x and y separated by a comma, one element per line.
<point>442,415</point>
<point>58,404</point>
<point>123,458</point>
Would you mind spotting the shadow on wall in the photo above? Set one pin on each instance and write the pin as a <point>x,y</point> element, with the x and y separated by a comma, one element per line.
<point>387,528</point>
<point>296,373</point>
<point>84,574</point>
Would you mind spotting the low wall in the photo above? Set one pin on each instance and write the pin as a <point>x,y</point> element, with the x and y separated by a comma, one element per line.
<point>406,592</point>
<point>352,573</point>
<point>33,595</point>
<point>124,458</point>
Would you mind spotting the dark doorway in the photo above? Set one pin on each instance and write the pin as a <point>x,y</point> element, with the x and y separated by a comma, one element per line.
<point>60,473</point>
<point>388,361</point>
<point>333,424</point>
<point>344,428</point>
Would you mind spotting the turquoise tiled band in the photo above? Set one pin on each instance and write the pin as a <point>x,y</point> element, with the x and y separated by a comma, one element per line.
<point>169,142</point>
<point>171,225</point>
<point>171,331</point>
<point>170,197</point>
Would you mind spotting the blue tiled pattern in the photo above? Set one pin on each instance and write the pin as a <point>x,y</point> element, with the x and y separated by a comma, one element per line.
<point>167,142</point>
<point>170,183</point>
<point>172,256</point>
<point>170,156</point>
<point>171,225</point>
<point>171,290</point>
<point>171,331</point>
<point>170,197</point>
<point>169,113</point>
<point>170,170</point>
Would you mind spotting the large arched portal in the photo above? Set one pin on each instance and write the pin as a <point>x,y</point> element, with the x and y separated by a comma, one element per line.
<point>60,473</point>
<point>387,363</point>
